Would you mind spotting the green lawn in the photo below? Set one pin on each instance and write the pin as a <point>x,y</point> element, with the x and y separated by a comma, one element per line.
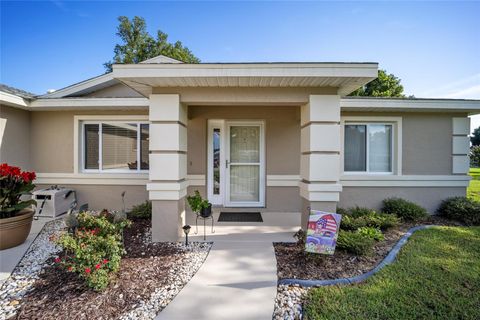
<point>473,190</point>
<point>436,276</point>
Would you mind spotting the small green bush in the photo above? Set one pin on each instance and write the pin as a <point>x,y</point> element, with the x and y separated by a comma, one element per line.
<point>354,242</point>
<point>372,233</point>
<point>461,209</point>
<point>404,209</point>
<point>94,249</point>
<point>141,211</point>
<point>357,212</point>
<point>357,217</point>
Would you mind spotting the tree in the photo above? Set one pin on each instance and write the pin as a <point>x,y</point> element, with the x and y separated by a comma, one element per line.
<point>475,137</point>
<point>475,156</point>
<point>386,85</point>
<point>138,45</point>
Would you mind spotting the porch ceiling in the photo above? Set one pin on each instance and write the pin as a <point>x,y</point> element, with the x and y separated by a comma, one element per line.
<point>345,76</point>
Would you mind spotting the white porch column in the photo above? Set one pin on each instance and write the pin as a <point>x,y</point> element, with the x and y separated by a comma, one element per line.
<point>168,165</point>
<point>320,154</point>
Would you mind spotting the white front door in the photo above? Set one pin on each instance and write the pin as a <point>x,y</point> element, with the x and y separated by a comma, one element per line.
<point>236,175</point>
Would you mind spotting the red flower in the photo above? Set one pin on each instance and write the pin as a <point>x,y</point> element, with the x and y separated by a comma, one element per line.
<point>105,261</point>
<point>70,268</point>
<point>98,266</point>
<point>57,260</point>
<point>88,270</point>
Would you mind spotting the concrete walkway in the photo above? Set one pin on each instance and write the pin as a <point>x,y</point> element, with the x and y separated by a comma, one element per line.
<point>9,258</point>
<point>239,277</point>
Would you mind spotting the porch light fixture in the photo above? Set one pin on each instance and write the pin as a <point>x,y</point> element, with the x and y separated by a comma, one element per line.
<point>186,230</point>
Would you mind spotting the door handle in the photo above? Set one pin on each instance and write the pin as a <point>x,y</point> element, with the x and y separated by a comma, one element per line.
<point>226,163</point>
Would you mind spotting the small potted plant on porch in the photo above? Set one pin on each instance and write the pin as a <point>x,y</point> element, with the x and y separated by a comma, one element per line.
<point>15,214</point>
<point>199,205</point>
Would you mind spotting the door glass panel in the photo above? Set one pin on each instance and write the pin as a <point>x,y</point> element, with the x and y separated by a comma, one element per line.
<point>244,144</point>
<point>144,146</point>
<point>244,183</point>
<point>216,161</point>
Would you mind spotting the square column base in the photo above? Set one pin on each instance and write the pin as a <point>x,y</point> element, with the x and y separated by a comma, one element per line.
<point>327,206</point>
<point>167,220</point>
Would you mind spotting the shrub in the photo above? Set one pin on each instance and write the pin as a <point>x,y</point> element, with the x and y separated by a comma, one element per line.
<point>404,209</point>
<point>355,218</point>
<point>357,211</point>
<point>141,211</point>
<point>461,209</point>
<point>94,249</point>
<point>372,233</point>
<point>354,242</point>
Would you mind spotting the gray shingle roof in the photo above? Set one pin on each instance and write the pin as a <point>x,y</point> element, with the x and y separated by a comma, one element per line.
<point>18,92</point>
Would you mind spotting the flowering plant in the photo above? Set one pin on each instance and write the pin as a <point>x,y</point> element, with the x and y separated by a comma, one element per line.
<point>94,249</point>
<point>13,184</point>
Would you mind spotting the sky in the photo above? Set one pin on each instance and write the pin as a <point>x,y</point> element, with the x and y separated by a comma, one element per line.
<point>432,46</point>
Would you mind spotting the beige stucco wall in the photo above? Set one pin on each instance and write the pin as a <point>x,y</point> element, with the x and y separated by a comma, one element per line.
<point>51,136</point>
<point>15,138</point>
<point>282,135</point>
<point>105,196</point>
<point>426,151</point>
<point>372,197</point>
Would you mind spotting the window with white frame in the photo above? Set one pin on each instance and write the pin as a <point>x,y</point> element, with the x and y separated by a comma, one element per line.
<point>368,147</point>
<point>115,146</point>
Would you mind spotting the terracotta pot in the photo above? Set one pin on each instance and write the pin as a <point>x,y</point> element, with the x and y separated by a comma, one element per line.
<point>14,231</point>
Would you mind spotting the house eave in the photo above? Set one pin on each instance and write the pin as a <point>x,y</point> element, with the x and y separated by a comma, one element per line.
<point>372,104</point>
<point>346,77</point>
<point>13,100</point>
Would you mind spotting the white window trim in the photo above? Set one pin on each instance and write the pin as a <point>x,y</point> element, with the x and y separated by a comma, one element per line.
<point>78,141</point>
<point>396,123</point>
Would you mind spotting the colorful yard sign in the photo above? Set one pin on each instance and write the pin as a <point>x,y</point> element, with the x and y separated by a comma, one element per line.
<point>322,232</point>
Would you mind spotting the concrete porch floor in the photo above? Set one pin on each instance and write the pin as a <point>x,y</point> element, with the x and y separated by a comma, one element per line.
<point>276,227</point>
<point>239,277</point>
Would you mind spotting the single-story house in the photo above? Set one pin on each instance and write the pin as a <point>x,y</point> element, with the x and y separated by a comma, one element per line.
<point>277,137</point>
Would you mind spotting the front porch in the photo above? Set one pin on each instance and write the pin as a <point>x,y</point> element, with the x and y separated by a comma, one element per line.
<point>263,136</point>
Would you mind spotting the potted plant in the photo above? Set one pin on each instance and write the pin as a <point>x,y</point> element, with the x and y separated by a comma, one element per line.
<point>199,205</point>
<point>15,214</point>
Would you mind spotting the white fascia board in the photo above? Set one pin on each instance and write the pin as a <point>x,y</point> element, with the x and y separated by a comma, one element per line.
<point>393,104</point>
<point>13,100</point>
<point>89,103</point>
<point>81,86</point>
<point>246,69</point>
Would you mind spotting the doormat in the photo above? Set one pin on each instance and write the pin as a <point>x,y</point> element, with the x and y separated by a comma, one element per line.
<point>240,217</point>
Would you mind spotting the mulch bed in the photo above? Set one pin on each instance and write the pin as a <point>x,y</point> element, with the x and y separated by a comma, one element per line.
<point>62,295</point>
<point>294,263</point>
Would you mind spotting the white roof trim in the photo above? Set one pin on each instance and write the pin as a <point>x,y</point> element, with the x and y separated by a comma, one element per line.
<point>13,100</point>
<point>395,104</point>
<point>89,103</point>
<point>161,59</point>
<point>100,81</point>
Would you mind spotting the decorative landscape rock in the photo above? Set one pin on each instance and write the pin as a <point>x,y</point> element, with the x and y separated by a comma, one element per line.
<point>288,303</point>
<point>166,268</point>
<point>27,271</point>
